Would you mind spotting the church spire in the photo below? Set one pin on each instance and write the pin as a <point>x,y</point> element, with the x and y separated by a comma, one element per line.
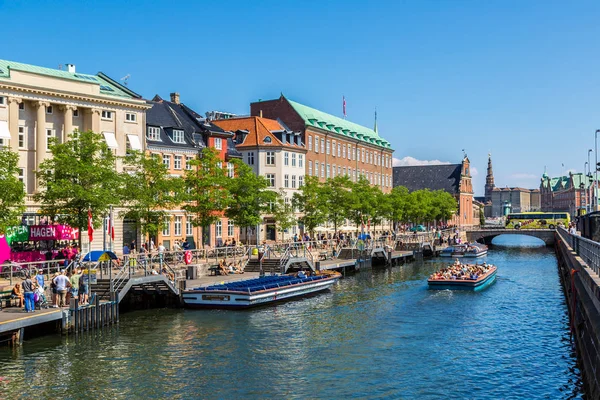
<point>489,180</point>
<point>375,128</point>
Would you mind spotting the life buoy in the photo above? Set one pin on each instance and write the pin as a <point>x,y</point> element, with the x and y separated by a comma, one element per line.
<point>188,257</point>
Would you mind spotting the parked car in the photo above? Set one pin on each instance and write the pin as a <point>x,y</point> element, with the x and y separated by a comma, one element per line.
<point>418,228</point>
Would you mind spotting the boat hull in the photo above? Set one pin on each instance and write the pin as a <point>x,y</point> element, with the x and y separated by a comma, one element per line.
<point>469,285</point>
<point>227,299</point>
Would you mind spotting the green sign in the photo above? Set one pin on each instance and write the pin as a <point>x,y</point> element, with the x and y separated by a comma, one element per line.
<point>17,234</point>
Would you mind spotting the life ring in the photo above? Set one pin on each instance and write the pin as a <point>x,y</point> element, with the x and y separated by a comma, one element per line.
<point>188,257</point>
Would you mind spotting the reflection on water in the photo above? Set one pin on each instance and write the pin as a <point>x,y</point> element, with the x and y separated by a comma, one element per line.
<point>377,334</point>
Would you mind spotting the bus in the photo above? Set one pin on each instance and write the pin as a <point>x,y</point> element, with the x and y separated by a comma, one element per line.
<point>537,220</point>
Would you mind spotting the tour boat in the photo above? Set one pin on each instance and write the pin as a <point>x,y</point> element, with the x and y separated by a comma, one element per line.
<point>465,250</point>
<point>258,291</point>
<point>474,285</point>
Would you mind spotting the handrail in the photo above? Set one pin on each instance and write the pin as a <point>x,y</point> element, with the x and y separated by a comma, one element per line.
<point>284,259</point>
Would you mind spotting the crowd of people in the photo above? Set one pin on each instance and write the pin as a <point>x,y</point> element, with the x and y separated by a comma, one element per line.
<point>462,271</point>
<point>231,268</point>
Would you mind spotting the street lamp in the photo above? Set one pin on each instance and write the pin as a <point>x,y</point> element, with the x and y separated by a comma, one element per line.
<point>586,166</point>
<point>589,175</point>
<point>596,170</point>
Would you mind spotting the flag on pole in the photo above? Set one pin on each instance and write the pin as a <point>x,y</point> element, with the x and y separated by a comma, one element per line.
<point>344,106</point>
<point>90,225</point>
<point>110,227</point>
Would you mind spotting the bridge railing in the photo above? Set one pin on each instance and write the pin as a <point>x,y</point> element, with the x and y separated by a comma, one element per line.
<point>587,249</point>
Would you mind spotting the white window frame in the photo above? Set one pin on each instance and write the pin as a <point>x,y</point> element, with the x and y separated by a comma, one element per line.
<point>218,143</point>
<point>270,158</point>
<point>166,157</point>
<point>270,180</point>
<point>316,144</point>
<point>230,170</point>
<point>286,158</point>
<point>189,227</point>
<point>286,181</point>
<point>301,160</point>
<point>50,133</point>
<point>22,137</point>
<point>230,228</point>
<point>178,136</point>
<point>309,143</point>
<point>316,169</point>
<point>3,101</point>
<point>293,159</point>
<point>219,229</point>
<point>22,179</point>
<point>153,133</point>
<point>327,147</point>
<point>188,164</point>
<point>310,168</point>
<point>167,227</point>
<point>328,171</point>
<point>107,115</point>
<point>322,170</point>
<point>251,158</point>
<point>177,161</point>
<point>177,225</point>
<point>293,181</point>
<point>300,181</point>
<point>333,145</point>
<point>323,146</point>
<point>130,117</point>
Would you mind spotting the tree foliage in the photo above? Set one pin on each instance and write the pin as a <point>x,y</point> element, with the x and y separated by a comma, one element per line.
<point>80,174</point>
<point>336,196</point>
<point>309,201</point>
<point>148,191</point>
<point>283,213</point>
<point>363,202</point>
<point>12,194</point>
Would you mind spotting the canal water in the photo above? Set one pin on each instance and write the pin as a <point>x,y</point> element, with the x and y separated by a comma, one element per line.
<point>378,334</point>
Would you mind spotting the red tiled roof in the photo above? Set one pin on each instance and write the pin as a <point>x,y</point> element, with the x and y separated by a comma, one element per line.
<point>258,129</point>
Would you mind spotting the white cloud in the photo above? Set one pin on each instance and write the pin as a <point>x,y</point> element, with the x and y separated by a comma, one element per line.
<point>523,176</point>
<point>474,171</point>
<point>411,161</point>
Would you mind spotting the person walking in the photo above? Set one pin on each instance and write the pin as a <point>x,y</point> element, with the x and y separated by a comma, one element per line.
<point>28,292</point>
<point>62,284</point>
<point>75,284</point>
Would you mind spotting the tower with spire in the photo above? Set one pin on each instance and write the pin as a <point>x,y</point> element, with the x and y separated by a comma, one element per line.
<point>375,127</point>
<point>489,180</point>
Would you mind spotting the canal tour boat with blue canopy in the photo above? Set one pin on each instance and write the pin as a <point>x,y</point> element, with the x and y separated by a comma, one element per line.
<point>476,284</point>
<point>258,291</point>
<point>469,250</point>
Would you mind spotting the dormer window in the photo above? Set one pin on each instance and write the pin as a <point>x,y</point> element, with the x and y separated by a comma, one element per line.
<point>153,133</point>
<point>267,139</point>
<point>178,136</point>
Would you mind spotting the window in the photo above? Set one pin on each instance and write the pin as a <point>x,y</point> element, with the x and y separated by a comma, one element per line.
<point>188,162</point>
<point>286,158</point>
<point>166,159</point>
<point>75,113</point>
<point>251,158</point>
<point>267,139</point>
<point>353,153</point>
<point>49,135</point>
<point>177,162</point>
<point>286,180</point>
<point>2,101</point>
<point>49,110</point>
<point>349,150</point>
<point>21,136</point>
<point>153,133</point>
<point>22,178</point>
<point>21,106</point>
<point>270,179</point>
<point>301,160</point>
<point>220,165</point>
<point>293,159</point>
<point>219,229</point>
<point>316,144</point>
<point>339,150</point>
<point>167,228</point>
<point>177,225</point>
<point>178,136</point>
<point>322,170</point>
<point>333,171</point>
<point>328,146</point>
<point>310,143</point>
<point>270,158</point>
<point>188,226</point>
<point>230,227</point>
<point>130,117</point>
<point>328,171</point>
<point>333,153</point>
<point>310,168</point>
<point>218,144</point>
<point>293,181</point>
<point>107,114</point>
<point>323,146</point>
<point>230,170</point>
<point>339,170</point>
<point>316,168</point>
<point>301,181</point>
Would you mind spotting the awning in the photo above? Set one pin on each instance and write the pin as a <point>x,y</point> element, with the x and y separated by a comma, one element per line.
<point>111,140</point>
<point>134,142</point>
<point>4,132</point>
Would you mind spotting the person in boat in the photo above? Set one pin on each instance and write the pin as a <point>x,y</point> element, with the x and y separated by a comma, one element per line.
<point>301,274</point>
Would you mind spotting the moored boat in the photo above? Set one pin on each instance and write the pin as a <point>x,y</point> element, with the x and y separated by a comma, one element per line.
<point>465,250</point>
<point>477,277</point>
<point>258,291</point>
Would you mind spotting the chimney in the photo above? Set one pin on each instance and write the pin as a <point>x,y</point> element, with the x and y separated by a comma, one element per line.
<point>71,68</point>
<point>175,98</point>
<point>260,113</point>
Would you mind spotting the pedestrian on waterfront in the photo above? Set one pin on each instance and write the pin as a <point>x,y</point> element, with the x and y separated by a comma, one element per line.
<point>53,291</point>
<point>39,278</point>
<point>161,252</point>
<point>83,288</point>
<point>28,293</point>
<point>17,293</point>
<point>75,283</point>
<point>62,285</point>
<point>126,253</point>
<point>132,245</point>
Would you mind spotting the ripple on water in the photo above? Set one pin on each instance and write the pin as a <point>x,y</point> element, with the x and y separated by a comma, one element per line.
<point>377,334</point>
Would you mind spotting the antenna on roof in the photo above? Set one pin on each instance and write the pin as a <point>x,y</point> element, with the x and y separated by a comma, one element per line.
<point>60,66</point>
<point>125,78</point>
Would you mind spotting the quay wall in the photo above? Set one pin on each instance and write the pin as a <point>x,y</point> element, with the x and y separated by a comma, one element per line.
<point>581,286</point>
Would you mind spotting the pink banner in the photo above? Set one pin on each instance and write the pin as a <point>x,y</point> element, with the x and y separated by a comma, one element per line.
<point>53,232</point>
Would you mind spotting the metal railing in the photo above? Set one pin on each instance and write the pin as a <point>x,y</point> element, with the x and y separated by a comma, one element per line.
<point>587,249</point>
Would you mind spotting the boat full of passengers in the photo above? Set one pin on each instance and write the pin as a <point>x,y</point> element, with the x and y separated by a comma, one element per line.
<point>458,276</point>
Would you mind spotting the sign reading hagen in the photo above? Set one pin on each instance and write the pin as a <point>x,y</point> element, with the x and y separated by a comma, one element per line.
<point>53,232</point>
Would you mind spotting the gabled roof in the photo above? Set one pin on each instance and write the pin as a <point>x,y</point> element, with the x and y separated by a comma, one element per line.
<point>564,182</point>
<point>433,177</point>
<point>108,86</point>
<point>168,116</point>
<point>331,123</point>
<point>261,131</point>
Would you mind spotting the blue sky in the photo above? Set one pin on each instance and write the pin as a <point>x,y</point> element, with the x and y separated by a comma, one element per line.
<point>517,78</point>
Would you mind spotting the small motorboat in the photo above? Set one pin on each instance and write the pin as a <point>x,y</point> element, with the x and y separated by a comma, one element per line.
<point>465,250</point>
<point>474,284</point>
<point>259,291</point>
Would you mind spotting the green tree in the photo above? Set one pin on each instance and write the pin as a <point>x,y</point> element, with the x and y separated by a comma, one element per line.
<point>148,191</point>
<point>309,201</point>
<point>80,175</point>
<point>250,197</point>
<point>398,204</point>
<point>12,194</point>
<point>362,207</point>
<point>336,194</point>
<point>419,206</point>
<point>206,190</point>
<point>443,205</point>
<point>481,217</point>
<point>283,213</point>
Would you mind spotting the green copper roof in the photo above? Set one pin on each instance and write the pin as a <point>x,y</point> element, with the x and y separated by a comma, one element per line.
<point>106,87</point>
<point>328,122</point>
<point>562,182</point>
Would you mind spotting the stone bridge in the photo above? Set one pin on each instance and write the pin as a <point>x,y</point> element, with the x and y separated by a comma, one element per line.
<point>485,235</point>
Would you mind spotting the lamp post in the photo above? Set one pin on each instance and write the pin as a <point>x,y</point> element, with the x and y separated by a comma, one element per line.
<point>595,170</point>
<point>589,175</point>
<point>586,167</point>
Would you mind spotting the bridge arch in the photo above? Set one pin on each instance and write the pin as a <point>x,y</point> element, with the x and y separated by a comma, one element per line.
<point>486,236</point>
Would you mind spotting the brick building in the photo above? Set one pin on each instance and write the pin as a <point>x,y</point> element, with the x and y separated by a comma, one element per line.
<point>178,134</point>
<point>566,193</point>
<point>334,145</point>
